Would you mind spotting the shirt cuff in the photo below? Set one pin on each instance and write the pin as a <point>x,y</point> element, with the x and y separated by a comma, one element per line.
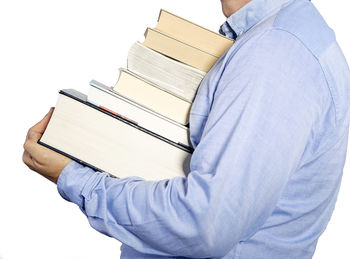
<point>72,180</point>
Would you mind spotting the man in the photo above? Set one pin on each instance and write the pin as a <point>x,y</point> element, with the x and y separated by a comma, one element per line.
<point>269,126</point>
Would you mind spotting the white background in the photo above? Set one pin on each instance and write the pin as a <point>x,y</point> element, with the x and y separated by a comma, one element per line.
<point>49,45</point>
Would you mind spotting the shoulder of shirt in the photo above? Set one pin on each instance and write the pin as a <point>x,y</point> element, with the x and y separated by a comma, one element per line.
<point>299,21</point>
<point>297,28</point>
<point>304,27</point>
<point>303,21</point>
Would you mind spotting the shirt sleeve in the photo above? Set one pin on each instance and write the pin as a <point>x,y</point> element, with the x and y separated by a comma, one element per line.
<point>258,126</point>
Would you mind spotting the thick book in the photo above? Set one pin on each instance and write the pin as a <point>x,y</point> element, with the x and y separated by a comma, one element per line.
<point>103,97</point>
<point>145,93</point>
<point>109,143</point>
<point>168,74</point>
<point>179,50</point>
<point>193,34</point>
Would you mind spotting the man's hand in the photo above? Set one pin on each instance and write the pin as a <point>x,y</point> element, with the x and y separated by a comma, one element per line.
<point>38,158</point>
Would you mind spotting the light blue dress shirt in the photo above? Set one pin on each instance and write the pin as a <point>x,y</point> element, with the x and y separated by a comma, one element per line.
<point>269,126</point>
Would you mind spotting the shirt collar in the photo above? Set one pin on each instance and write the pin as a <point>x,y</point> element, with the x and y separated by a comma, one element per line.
<point>249,15</point>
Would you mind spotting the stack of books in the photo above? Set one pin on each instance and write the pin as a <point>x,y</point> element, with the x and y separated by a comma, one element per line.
<point>139,127</point>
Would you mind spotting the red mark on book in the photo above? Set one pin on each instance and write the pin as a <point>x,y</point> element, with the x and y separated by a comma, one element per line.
<point>117,114</point>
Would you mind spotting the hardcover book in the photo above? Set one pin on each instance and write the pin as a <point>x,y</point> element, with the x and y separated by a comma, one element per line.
<point>193,34</point>
<point>181,51</point>
<point>109,143</point>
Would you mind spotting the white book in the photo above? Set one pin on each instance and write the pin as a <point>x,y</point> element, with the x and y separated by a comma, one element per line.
<point>147,94</point>
<point>103,96</point>
<point>103,141</point>
<point>166,73</point>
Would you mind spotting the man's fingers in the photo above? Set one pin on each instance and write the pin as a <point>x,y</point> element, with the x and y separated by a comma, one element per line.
<point>41,125</point>
<point>27,159</point>
<point>35,150</point>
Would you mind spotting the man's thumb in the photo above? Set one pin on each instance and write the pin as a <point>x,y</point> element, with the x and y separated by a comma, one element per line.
<point>35,136</point>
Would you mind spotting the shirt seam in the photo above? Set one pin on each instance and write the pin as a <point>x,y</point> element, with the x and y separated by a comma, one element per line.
<point>237,254</point>
<point>326,81</point>
<point>330,92</point>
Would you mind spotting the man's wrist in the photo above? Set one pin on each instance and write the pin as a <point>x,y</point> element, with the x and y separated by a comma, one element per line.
<point>72,181</point>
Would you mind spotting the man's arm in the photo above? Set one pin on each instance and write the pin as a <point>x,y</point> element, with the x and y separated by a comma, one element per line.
<point>257,130</point>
